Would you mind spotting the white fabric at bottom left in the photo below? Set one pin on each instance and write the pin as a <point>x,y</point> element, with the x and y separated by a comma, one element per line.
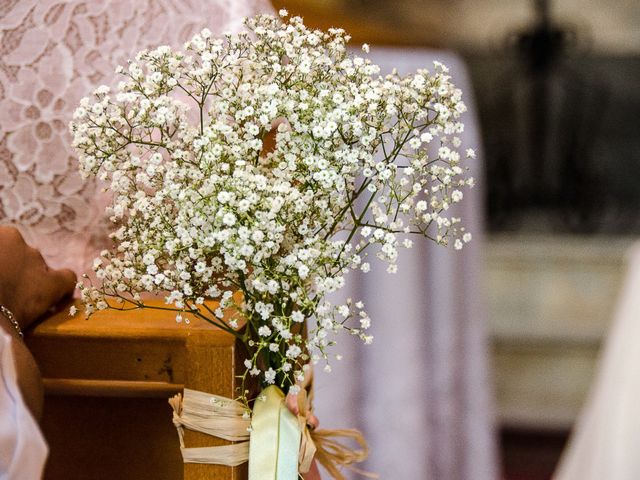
<point>23,450</point>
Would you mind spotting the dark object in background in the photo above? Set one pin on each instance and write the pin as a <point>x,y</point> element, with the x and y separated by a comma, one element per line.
<point>546,119</point>
<point>531,454</point>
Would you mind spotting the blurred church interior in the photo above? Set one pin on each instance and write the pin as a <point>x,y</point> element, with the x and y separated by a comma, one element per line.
<point>555,90</point>
<point>555,85</point>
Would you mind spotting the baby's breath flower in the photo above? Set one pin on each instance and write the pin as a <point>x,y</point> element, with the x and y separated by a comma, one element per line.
<point>200,210</point>
<point>264,331</point>
<point>270,376</point>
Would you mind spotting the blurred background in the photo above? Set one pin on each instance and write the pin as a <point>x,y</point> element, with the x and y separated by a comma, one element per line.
<point>557,97</point>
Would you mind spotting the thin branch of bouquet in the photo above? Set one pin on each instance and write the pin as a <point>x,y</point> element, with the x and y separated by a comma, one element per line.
<point>202,209</point>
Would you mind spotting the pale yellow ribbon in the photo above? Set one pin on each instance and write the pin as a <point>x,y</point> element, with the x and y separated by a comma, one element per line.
<point>275,438</point>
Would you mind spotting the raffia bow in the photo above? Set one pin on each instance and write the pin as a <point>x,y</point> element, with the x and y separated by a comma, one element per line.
<point>225,418</point>
<point>216,416</point>
<point>324,446</point>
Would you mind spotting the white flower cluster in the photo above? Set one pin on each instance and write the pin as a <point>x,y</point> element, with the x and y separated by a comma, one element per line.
<point>205,207</point>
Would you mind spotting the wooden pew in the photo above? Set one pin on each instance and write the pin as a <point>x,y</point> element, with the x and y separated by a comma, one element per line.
<point>107,380</point>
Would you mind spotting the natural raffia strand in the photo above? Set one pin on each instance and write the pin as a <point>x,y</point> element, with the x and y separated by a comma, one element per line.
<point>323,445</point>
<point>332,454</point>
<point>216,416</point>
<point>225,418</point>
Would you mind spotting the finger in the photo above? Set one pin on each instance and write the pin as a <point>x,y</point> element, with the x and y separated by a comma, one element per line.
<point>12,235</point>
<point>313,473</point>
<point>56,284</point>
<point>313,422</point>
<point>12,247</point>
<point>63,283</point>
<point>36,259</point>
<point>47,288</point>
<point>292,404</point>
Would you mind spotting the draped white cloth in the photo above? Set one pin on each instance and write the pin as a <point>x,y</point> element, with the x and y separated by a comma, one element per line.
<point>23,450</point>
<point>421,393</point>
<point>605,442</point>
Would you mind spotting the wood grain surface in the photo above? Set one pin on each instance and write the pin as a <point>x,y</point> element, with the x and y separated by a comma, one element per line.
<point>107,380</point>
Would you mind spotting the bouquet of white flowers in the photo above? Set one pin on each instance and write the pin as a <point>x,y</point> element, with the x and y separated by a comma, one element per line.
<point>204,208</point>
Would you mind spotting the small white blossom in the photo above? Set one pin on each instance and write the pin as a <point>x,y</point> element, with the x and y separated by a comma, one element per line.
<point>229,219</point>
<point>270,376</point>
<point>264,331</point>
<point>456,196</point>
<point>293,352</point>
<point>294,390</point>
<point>415,143</point>
<point>199,210</point>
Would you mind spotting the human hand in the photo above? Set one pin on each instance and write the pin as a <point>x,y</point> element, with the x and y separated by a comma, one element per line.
<point>28,287</point>
<point>313,473</point>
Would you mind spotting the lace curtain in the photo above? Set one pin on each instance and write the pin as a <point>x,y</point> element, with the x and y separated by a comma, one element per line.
<point>52,53</point>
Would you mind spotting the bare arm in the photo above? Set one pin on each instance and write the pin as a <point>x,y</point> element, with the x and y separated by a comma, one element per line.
<point>28,288</point>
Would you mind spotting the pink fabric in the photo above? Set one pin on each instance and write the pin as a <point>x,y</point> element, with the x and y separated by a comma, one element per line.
<point>52,53</point>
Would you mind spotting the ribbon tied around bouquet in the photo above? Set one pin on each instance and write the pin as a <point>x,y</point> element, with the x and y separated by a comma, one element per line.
<point>276,443</point>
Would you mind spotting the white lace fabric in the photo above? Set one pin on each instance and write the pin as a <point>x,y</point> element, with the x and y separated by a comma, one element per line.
<point>52,53</point>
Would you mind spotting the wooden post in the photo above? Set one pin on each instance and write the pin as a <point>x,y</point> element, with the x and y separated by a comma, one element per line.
<point>107,381</point>
<point>211,369</point>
